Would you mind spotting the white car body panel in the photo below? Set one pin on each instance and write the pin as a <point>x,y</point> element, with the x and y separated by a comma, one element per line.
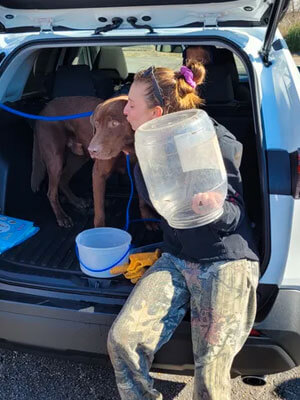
<point>182,14</point>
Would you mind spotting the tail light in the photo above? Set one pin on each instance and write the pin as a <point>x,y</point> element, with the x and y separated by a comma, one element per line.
<point>295,173</point>
<point>254,332</point>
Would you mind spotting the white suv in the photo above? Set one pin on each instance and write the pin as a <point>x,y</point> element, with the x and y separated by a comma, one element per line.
<point>56,48</point>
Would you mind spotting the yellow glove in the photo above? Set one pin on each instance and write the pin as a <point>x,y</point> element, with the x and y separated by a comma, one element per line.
<point>137,265</point>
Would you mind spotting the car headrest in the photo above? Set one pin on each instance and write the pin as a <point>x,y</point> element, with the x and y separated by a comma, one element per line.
<point>73,80</point>
<point>221,57</point>
<point>217,87</point>
<point>225,57</point>
<point>208,48</point>
<point>45,61</point>
<point>111,60</point>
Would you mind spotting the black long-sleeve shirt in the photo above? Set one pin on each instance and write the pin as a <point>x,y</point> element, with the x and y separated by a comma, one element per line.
<point>230,237</point>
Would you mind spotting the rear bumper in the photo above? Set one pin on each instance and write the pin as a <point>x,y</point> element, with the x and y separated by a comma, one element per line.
<point>73,329</point>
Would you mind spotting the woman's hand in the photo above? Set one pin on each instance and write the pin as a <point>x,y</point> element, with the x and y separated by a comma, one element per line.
<point>203,203</point>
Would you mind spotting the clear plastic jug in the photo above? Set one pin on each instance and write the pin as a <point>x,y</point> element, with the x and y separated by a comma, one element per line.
<point>180,159</point>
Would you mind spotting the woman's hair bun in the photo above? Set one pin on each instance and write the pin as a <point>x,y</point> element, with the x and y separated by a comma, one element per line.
<point>197,69</point>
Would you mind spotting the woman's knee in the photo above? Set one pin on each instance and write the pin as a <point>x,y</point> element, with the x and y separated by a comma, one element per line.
<point>117,337</point>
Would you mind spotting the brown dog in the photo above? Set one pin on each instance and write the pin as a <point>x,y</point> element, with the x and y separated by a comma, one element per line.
<point>61,148</point>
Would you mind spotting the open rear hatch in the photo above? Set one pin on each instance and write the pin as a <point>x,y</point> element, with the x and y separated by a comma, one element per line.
<point>39,15</point>
<point>90,14</point>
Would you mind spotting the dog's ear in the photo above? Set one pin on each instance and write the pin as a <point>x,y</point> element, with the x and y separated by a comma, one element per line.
<point>95,113</point>
<point>92,119</point>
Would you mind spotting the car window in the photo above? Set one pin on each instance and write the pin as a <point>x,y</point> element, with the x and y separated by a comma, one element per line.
<point>83,57</point>
<point>141,57</point>
<point>243,76</point>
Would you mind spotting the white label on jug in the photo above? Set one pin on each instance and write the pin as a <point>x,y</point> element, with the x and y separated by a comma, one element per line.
<point>194,153</point>
<point>184,145</point>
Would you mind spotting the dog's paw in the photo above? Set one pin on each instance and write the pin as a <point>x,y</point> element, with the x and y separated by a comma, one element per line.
<point>65,221</point>
<point>83,203</point>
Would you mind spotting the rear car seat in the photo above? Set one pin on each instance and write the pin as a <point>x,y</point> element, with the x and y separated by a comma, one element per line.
<point>110,63</point>
<point>43,65</point>
<point>78,80</point>
<point>224,57</point>
<point>73,80</point>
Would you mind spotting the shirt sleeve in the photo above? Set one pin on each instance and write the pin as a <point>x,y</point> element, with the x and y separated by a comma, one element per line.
<point>234,206</point>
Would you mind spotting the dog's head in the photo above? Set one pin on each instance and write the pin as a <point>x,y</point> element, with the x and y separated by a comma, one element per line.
<point>112,132</point>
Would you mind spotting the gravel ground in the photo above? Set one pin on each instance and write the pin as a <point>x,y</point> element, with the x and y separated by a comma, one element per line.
<point>37,377</point>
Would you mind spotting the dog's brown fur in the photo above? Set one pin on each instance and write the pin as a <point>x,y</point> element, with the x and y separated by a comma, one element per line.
<point>62,147</point>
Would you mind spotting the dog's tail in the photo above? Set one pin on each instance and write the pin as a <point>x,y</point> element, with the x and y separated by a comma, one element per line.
<point>38,167</point>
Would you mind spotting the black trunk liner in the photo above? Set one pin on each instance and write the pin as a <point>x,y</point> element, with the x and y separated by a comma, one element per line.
<point>54,247</point>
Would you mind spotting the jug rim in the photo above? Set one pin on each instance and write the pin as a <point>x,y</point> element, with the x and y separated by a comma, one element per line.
<point>172,121</point>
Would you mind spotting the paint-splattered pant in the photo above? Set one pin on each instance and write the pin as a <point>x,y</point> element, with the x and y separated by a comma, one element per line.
<point>222,298</point>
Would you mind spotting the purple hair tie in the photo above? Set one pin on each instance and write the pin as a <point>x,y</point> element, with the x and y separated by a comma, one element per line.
<point>188,76</point>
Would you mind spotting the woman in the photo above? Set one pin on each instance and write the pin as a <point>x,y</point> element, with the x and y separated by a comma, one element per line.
<point>212,269</point>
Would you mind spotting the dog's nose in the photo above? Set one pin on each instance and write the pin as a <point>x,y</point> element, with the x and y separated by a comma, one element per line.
<point>93,150</point>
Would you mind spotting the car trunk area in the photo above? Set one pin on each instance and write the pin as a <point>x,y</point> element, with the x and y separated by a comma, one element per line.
<point>50,255</point>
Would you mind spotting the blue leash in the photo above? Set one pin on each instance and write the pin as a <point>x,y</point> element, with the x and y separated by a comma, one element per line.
<point>44,118</point>
<point>128,221</point>
<point>82,115</point>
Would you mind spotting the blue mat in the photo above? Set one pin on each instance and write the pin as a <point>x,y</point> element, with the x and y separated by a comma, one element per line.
<point>14,231</point>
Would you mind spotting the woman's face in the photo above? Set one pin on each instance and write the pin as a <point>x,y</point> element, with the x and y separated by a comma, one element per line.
<point>136,109</point>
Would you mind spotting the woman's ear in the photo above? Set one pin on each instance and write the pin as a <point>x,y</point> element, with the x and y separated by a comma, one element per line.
<point>157,111</point>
